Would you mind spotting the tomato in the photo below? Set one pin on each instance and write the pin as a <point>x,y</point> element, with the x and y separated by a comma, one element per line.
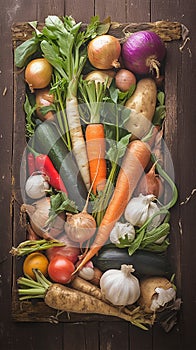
<point>60,269</point>
<point>71,250</point>
<point>35,261</point>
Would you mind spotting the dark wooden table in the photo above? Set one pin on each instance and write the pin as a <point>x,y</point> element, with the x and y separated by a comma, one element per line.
<point>180,137</point>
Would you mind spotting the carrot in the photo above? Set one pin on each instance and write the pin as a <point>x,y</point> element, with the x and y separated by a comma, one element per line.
<point>96,148</point>
<point>93,94</point>
<point>135,160</point>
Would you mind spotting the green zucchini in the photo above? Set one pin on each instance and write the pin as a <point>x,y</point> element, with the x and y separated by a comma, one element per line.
<point>145,263</point>
<point>47,140</point>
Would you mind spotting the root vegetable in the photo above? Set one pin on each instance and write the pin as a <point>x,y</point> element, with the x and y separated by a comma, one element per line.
<point>66,299</point>
<point>82,226</point>
<point>87,272</point>
<point>143,52</point>
<point>150,183</point>
<point>100,76</point>
<point>38,214</point>
<point>155,292</point>
<point>104,52</point>
<point>135,160</point>
<point>93,95</point>
<point>97,275</point>
<point>38,73</point>
<point>142,105</point>
<point>44,99</point>
<point>87,287</point>
<point>124,79</point>
<point>96,150</point>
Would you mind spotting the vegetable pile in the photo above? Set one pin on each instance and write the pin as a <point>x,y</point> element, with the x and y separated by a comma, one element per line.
<point>97,196</point>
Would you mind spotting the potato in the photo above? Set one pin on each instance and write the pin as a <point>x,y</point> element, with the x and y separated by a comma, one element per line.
<point>142,104</point>
<point>148,292</point>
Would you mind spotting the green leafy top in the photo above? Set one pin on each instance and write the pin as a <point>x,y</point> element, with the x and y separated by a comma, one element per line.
<point>93,95</point>
<point>62,43</point>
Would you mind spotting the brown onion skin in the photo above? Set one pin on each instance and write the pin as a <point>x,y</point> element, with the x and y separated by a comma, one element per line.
<point>100,76</point>
<point>104,52</point>
<point>80,227</point>
<point>124,79</point>
<point>38,73</point>
<point>97,275</point>
<point>150,183</point>
<point>44,98</point>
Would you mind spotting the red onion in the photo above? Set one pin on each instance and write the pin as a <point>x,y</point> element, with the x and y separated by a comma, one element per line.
<point>143,51</point>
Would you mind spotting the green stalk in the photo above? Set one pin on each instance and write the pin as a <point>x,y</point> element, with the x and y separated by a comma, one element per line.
<point>103,201</point>
<point>36,289</point>
<point>66,129</point>
<point>31,246</point>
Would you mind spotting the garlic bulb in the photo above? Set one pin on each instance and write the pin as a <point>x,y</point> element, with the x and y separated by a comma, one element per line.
<point>36,186</point>
<point>120,230</point>
<point>120,287</point>
<point>156,292</point>
<point>141,208</point>
<point>87,272</point>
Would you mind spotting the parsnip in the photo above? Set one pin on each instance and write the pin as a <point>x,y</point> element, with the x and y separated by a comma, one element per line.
<point>66,299</point>
<point>77,138</point>
<point>61,297</point>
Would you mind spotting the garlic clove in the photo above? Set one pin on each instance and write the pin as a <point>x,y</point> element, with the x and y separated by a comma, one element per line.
<point>140,209</point>
<point>155,292</point>
<point>36,186</point>
<point>121,230</point>
<point>87,272</point>
<point>161,297</point>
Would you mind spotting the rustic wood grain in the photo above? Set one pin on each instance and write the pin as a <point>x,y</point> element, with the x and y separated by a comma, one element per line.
<point>167,30</point>
<point>114,336</point>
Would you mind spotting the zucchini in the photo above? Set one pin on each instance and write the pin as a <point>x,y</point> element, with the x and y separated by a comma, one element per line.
<point>145,263</point>
<point>47,140</point>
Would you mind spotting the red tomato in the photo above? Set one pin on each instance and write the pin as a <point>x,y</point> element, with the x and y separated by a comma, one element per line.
<point>60,269</point>
<point>70,250</point>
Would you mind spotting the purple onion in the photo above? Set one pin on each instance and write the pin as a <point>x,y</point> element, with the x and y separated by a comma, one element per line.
<point>142,52</point>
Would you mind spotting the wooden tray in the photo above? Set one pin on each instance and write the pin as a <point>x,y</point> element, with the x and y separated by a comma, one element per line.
<point>37,311</point>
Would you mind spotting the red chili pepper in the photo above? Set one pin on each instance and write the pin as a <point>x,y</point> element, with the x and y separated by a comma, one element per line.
<point>43,163</point>
<point>31,163</point>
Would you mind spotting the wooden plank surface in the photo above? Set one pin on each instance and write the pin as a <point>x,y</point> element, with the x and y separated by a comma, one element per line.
<point>181,140</point>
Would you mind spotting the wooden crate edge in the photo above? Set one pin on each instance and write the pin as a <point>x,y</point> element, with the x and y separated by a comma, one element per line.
<point>168,31</point>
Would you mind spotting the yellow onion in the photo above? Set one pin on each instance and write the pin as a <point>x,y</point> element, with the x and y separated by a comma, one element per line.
<point>100,76</point>
<point>104,52</point>
<point>43,99</point>
<point>38,73</point>
<point>80,227</point>
<point>150,183</point>
<point>38,214</point>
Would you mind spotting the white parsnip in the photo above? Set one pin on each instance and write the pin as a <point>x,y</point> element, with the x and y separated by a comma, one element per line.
<point>77,139</point>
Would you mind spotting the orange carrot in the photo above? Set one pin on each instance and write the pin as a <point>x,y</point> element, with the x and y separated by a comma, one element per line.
<point>135,160</point>
<point>96,148</point>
